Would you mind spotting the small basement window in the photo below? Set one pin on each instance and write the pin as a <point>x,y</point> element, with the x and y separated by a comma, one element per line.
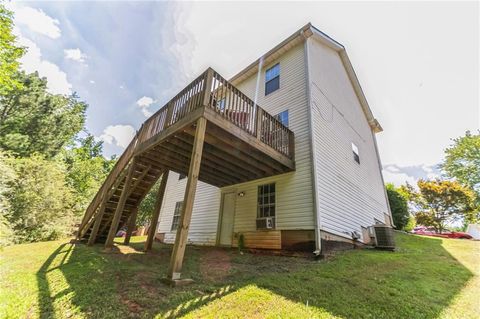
<point>266,206</point>
<point>272,79</point>
<point>356,155</point>
<point>283,117</point>
<point>176,215</point>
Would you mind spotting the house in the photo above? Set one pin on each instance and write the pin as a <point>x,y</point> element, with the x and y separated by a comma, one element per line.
<point>282,155</point>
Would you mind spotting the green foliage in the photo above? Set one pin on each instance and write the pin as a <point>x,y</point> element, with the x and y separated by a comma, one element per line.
<point>147,206</point>
<point>438,202</point>
<point>398,206</point>
<point>86,169</point>
<point>7,236</point>
<point>462,161</point>
<point>7,176</point>
<point>41,202</point>
<point>35,121</point>
<point>410,224</point>
<point>9,53</point>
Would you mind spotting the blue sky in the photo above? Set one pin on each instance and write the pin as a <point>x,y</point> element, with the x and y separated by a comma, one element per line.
<point>418,63</point>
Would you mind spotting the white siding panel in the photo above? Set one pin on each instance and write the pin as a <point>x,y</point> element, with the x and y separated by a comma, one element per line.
<point>203,226</point>
<point>350,195</point>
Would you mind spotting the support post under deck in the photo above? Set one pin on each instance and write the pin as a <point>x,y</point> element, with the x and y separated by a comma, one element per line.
<point>178,252</point>
<point>132,223</point>
<point>156,212</point>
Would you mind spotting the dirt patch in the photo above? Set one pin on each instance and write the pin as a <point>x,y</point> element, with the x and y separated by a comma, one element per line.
<point>215,264</point>
<point>148,283</point>
<point>133,307</point>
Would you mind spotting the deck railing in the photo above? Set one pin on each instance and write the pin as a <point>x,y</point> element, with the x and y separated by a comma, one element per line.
<point>236,107</point>
<point>208,90</point>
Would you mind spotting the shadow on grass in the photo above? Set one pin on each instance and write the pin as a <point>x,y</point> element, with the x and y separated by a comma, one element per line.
<point>417,281</point>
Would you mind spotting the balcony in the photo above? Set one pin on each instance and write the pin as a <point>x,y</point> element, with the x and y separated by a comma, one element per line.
<point>210,131</point>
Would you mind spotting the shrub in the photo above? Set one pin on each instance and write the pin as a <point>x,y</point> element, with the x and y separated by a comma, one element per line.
<point>41,205</point>
<point>398,206</point>
<point>410,224</point>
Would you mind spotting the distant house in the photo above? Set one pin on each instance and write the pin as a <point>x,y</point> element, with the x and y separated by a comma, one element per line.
<point>297,170</point>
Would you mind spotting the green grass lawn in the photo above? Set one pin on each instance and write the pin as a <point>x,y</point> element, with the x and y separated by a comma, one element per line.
<point>425,278</point>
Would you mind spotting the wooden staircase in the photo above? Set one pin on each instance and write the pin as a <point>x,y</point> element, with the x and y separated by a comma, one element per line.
<point>238,142</point>
<point>143,178</point>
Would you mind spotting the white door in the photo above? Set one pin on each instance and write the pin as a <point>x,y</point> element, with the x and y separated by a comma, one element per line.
<point>228,211</point>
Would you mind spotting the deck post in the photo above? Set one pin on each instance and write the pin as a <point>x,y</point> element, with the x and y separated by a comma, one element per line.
<point>208,87</point>
<point>259,123</point>
<point>98,221</point>
<point>156,212</point>
<point>132,222</point>
<point>120,205</point>
<point>178,252</point>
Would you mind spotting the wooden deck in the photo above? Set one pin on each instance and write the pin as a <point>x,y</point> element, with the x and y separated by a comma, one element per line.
<point>238,142</point>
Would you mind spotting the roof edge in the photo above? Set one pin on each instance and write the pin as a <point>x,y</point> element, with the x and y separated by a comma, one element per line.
<point>302,34</point>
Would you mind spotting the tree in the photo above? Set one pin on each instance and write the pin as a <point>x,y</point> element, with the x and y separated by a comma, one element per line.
<point>441,201</point>
<point>41,202</point>
<point>398,206</point>
<point>10,53</point>
<point>145,210</point>
<point>86,169</point>
<point>7,176</point>
<point>462,161</point>
<point>35,121</point>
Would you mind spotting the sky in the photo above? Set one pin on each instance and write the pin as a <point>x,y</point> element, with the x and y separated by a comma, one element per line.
<point>418,63</point>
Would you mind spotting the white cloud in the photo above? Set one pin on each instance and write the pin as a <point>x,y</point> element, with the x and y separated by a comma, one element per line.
<point>32,61</point>
<point>75,55</point>
<point>398,174</point>
<point>92,81</point>
<point>37,21</point>
<point>144,103</point>
<point>120,135</point>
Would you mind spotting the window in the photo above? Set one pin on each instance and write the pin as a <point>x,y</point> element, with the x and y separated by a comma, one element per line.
<point>181,176</point>
<point>176,215</point>
<point>272,79</point>
<point>266,200</point>
<point>283,117</point>
<point>356,156</point>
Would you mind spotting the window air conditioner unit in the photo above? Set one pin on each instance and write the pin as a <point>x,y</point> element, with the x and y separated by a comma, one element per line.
<point>384,238</point>
<point>269,223</point>
<point>266,223</point>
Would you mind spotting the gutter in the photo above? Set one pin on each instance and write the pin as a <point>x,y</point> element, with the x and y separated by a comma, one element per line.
<point>316,209</point>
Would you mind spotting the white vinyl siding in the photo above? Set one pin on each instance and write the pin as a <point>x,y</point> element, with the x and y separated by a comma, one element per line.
<point>203,226</point>
<point>350,195</point>
<point>294,199</point>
